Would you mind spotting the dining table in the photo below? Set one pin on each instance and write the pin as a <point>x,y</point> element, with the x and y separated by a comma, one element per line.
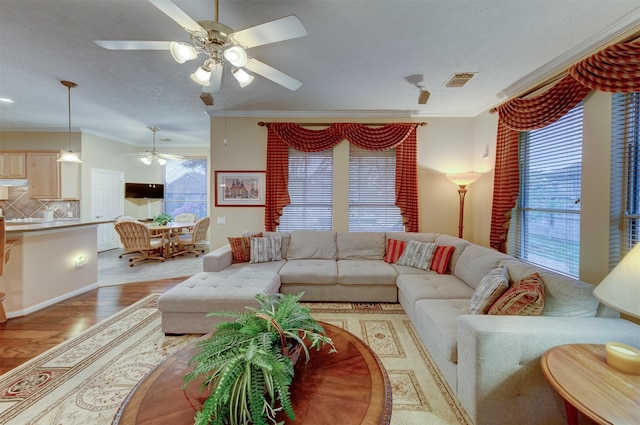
<point>169,231</point>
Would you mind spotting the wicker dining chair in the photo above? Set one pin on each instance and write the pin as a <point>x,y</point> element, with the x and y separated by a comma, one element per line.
<point>185,218</point>
<point>187,243</point>
<point>136,237</point>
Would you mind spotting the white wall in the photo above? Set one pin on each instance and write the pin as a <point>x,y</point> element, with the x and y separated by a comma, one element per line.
<point>445,145</point>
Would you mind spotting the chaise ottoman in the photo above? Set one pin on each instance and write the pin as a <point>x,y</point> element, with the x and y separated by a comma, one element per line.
<point>184,308</point>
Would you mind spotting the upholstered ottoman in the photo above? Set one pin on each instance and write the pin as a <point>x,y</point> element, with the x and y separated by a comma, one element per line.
<point>184,307</point>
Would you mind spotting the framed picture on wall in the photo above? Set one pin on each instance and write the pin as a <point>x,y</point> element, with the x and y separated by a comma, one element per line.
<point>240,188</point>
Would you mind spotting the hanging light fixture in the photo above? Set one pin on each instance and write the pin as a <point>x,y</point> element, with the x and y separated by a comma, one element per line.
<point>242,77</point>
<point>202,74</point>
<point>182,52</point>
<point>236,56</point>
<point>69,155</point>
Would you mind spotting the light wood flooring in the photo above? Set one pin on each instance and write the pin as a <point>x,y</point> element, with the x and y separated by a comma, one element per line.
<point>23,338</point>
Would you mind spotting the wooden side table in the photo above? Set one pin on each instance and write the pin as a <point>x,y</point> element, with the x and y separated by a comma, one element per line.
<point>581,375</point>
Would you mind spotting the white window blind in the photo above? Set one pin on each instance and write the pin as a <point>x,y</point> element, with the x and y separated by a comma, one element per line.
<point>372,176</point>
<point>310,192</point>
<point>624,230</point>
<point>546,221</point>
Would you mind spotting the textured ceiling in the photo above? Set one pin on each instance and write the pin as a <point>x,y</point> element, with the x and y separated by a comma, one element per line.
<point>362,58</point>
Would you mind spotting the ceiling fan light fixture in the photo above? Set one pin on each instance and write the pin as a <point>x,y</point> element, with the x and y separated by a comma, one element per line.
<point>161,161</point>
<point>202,75</point>
<point>236,56</point>
<point>146,160</point>
<point>182,52</point>
<point>243,78</point>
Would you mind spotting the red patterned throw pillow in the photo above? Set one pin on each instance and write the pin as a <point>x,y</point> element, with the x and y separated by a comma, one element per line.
<point>440,260</point>
<point>241,248</point>
<point>526,298</point>
<point>394,250</point>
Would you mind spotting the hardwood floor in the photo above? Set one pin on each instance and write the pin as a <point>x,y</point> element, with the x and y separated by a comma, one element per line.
<point>23,338</point>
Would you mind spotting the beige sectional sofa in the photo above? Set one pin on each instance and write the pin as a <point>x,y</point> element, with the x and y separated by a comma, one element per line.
<point>490,362</point>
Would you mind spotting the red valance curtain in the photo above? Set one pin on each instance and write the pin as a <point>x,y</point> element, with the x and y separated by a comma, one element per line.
<point>614,69</point>
<point>281,136</point>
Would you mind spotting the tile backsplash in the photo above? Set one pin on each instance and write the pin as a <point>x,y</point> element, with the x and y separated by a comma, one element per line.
<point>19,205</point>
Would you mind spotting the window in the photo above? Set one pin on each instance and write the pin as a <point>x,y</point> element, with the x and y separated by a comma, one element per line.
<point>546,220</point>
<point>625,175</point>
<point>310,192</point>
<point>185,186</point>
<point>372,182</point>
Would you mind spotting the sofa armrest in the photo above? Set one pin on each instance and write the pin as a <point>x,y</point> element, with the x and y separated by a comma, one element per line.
<point>217,260</point>
<point>499,363</point>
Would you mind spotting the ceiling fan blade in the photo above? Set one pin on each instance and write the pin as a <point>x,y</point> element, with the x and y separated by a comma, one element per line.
<point>270,32</point>
<point>215,80</point>
<point>175,13</point>
<point>273,74</point>
<point>169,156</point>
<point>133,45</point>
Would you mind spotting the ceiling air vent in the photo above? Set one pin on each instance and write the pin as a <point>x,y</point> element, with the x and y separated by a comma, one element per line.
<point>459,79</point>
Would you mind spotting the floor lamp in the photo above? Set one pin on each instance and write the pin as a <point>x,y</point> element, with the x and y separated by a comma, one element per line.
<point>462,180</point>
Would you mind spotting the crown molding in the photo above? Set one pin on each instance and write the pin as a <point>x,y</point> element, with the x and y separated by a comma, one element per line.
<point>625,27</point>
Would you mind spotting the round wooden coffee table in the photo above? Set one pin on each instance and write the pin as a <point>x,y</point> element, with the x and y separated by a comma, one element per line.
<point>347,387</point>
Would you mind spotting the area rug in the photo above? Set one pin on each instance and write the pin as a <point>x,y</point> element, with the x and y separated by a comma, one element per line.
<point>86,379</point>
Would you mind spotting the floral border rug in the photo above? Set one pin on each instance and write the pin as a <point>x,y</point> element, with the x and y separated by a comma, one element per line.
<point>85,379</point>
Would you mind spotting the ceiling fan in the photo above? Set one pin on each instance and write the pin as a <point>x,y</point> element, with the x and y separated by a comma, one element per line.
<point>153,154</point>
<point>220,44</point>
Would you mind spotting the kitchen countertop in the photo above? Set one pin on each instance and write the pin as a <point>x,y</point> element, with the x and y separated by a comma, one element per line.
<point>39,225</point>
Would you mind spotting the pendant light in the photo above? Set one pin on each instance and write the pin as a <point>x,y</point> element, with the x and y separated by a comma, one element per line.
<point>69,155</point>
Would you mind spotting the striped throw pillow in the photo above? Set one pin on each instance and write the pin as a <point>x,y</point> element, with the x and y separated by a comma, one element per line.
<point>441,257</point>
<point>490,288</point>
<point>417,254</point>
<point>394,250</point>
<point>526,298</point>
<point>241,248</point>
<point>266,249</point>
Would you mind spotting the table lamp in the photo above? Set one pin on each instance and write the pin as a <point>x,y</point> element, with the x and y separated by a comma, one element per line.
<point>620,290</point>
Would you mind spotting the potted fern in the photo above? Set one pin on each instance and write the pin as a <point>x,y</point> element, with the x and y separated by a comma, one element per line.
<point>248,364</point>
<point>162,219</point>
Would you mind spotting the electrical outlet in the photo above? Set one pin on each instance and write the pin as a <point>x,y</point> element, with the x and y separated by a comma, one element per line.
<point>222,220</point>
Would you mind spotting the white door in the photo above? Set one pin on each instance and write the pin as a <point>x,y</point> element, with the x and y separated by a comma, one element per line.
<point>107,202</point>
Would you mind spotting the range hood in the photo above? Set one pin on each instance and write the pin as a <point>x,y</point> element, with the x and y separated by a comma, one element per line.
<point>14,182</point>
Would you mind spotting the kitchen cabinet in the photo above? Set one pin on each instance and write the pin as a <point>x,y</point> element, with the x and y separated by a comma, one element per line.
<point>69,181</point>
<point>43,173</point>
<point>12,165</point>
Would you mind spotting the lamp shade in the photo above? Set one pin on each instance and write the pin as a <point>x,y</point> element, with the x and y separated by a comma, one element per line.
<point>236,56</point>
<point>161,161</point>
<point>620,290</point>
<point>182,52</point>
<point>70,156</point>
<point>202,76</point>
<point>463,179</point>
<point>243,78</point>
<point>146,160</point>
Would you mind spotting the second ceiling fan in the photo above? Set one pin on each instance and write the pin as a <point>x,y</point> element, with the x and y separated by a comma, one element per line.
<point>222,46</point>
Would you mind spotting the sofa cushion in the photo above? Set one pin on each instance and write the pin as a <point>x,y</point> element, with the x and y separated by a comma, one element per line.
<point>394,250</point>
<point>365,272</point>
<point>266,249</point>
<point>437,323</point>
<point>441,257</point>
<point>525,298</point>
<point>407,236</point>
<point>312,244</point>
<point>324,272</point>
<point>360,245</point>
<point>432,285</point>
<point>475,262</point>
<point>417,254</point>
<point>491,287</point>
<point>564,296</point>
<point>286,236</point>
